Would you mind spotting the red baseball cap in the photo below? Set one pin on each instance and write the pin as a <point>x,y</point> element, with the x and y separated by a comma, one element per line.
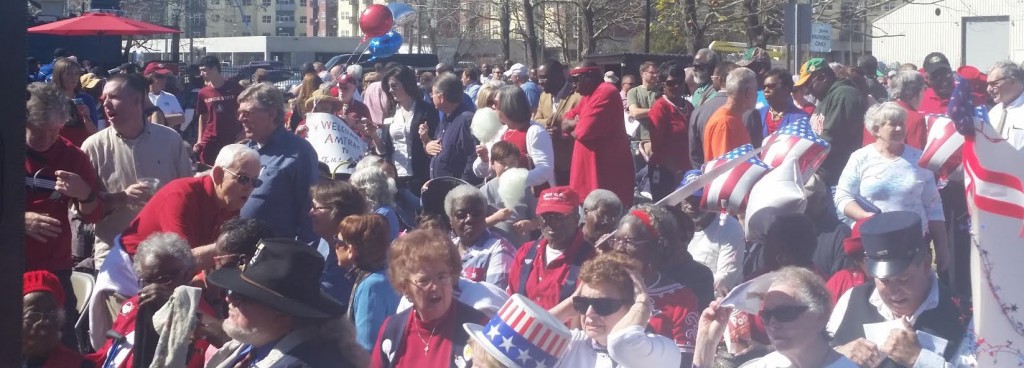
<point>158,68</point>
<point>852,245</point>
<point>563,200</point>
<point>42,281</point>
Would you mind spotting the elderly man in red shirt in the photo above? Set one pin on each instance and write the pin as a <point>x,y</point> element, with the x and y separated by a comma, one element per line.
<point>546,270</point>
<point>601,157</point>
<point>193,208</point>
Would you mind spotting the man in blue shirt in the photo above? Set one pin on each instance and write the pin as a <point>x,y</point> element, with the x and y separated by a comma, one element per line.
<point>289,165</point>
<point>471,79</point>
<point>454,147</point>
<point>520,76</point>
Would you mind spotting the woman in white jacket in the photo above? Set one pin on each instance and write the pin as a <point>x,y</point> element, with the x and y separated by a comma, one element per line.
<point>531,138</point>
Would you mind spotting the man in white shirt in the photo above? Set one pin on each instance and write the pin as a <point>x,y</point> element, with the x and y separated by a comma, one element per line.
<point>904,318</point>
<point>1005,85</point>
<point>718,245</point>
<point>157,74</point>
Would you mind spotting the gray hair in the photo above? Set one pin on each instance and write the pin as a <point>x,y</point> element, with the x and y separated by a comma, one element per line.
<point>906,86</point>
<point>235,153</point>
<point>449,86</point>
<point>268,97</point>
<point>355,71</point>
<point>461,193</point>
<point>164,245</point>
<point>664,224</point>
<point>603,198</point>
<point>879,114</point>
<point>1010,69</point>
<point>513,103</point>
<point>712,56</point>
<point>375,184</point>
<point>45,102</point>
<point>810,289</point>
<point>369,161</point>
<point>740,81</point>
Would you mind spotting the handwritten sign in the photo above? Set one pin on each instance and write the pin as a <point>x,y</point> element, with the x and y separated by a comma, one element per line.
<point>821,37</point>
<point>335,143</point>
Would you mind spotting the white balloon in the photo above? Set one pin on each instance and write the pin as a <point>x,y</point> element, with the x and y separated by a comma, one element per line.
<point>779,192</point>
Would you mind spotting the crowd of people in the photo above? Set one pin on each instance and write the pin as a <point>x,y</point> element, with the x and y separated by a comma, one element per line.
<point>496,219</point>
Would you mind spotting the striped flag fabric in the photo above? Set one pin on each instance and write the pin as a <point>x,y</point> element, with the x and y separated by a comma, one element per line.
<point>796,140</point>
<point>943,151</point>
<point>731,190</point>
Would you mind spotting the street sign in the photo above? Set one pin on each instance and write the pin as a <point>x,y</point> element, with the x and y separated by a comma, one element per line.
<point>821,37</point>
<point>797,16</point>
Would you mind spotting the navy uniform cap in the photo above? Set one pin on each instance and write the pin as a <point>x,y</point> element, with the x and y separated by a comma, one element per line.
<point>892,240</point>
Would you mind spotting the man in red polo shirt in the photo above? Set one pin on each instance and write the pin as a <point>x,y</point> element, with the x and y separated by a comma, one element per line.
<point>939,75</point>
<point>193,208</point>
<point>547,270</point>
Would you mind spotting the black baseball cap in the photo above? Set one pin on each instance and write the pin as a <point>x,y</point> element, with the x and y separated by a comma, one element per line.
<point>936,61</point>
<point>892,242</point>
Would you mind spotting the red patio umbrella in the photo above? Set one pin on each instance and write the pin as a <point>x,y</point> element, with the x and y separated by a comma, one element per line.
<point>100,24</point>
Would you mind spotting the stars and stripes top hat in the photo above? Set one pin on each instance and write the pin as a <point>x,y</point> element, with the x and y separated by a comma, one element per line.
<point>522,335</point>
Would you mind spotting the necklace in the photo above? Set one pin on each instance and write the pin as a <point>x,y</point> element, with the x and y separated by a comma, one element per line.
<point>426,346</point>
<point>776,115</point>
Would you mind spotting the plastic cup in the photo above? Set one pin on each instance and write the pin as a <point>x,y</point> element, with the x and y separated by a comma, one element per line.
<point>151,184</point>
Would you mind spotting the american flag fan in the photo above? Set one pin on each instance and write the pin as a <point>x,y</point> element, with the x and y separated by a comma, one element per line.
<point>796,140</point>
<point>993,176</point>
<point>730,191</point>
<point>943,151</point>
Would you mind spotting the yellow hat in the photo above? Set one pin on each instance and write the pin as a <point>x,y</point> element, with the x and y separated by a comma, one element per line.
<point>89,80</point>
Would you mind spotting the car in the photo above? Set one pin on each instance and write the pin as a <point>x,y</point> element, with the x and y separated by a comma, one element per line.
<point>415,61</point>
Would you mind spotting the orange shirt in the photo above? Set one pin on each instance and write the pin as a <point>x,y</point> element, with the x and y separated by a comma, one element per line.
<point>724,132</point>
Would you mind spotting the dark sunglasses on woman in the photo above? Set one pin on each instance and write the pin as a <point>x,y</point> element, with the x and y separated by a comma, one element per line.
<point>603,306</point>
<point>783,314</point>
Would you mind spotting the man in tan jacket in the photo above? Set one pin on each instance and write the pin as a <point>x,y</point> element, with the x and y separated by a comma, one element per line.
<point>559,97</point>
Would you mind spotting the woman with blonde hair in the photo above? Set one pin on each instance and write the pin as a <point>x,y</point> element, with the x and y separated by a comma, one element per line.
<point>83,113</point>
<point>488,91</point>
<point>297,106</point>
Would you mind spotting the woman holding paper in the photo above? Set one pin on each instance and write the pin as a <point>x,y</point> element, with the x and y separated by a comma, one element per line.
<point>795,309</point>
<point>885,174</point>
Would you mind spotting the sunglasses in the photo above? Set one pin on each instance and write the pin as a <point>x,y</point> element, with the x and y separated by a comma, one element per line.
<point>603,306</point>
<point>245,180</point>
<point>671,82</point>
<point>783,314</point>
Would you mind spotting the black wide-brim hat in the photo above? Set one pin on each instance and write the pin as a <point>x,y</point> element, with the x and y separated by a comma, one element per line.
<point>433,193</point>
<point>283,274</point>
<point>892,242</point>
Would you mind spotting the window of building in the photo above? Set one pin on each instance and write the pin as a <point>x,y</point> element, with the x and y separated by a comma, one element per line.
<point>247,2</point>
<point>343,33</point>
<point>266,19</point>
<point>214,2</point>
<point>247,19</point>
<point>302,19</point>
<point>215,17</point>
<point>266,2</point>
<point>302,3</point>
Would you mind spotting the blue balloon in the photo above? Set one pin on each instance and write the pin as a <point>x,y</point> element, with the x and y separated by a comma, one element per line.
<point>403,13</point>
<point>386,45</point>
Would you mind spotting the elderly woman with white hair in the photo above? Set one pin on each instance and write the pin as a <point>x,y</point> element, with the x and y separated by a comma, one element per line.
<point>485,255</point>
<point>907,89</point>
<point>379,190</point>
<point>795,310</point>
<point>884,176</point>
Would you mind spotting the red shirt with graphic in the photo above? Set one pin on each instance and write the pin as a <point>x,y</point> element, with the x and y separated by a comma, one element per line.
<point>675,313</point>
<point>221,127</point>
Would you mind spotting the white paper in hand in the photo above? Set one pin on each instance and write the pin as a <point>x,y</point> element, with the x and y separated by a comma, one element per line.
<point>747,297</point>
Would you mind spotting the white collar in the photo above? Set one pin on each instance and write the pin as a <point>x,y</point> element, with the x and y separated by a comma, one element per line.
<point>1019,102</point>
<point>930,302</point>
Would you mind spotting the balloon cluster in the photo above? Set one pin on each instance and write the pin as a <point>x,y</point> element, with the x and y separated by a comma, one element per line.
<point>378,24</point>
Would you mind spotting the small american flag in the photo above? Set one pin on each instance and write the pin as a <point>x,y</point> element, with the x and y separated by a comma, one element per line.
<point>798,140</point>
<point>730,191</point>
<point>943,152</point>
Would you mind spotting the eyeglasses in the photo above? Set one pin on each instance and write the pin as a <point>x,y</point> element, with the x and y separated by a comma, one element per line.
<point>995,83</point>
<point>782,314</point>
<point>602,306</point>
<point>225,260</point>
<point>161,280</point>
<point>554,218</point>
<point>245,180</point>
<point>423,282</point>
<point>33,318</point>
<point>236,298</point>
<point>671,82</point>
<point>629,244</point>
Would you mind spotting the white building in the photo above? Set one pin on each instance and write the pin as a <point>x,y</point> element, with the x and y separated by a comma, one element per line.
<point>968,32</point>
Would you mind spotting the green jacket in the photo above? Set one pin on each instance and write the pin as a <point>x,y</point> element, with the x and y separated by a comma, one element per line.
<point>839,119</point>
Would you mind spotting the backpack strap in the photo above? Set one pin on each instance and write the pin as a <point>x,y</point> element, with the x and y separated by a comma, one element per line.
<point>524,273</point>
<point>569,287</point>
